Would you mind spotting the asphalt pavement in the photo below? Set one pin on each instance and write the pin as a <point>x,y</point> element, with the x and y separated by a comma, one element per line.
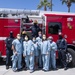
<point>3,71</point>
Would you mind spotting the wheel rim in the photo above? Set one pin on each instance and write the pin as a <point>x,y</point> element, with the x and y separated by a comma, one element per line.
<point>68,58</point>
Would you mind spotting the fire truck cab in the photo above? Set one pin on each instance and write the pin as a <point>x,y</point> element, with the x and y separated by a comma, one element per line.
<point>64,23</point>
<point>51,23</point>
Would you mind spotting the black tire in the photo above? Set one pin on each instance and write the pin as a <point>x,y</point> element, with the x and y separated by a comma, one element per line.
<point>72,53</point>
<point>0,59</point>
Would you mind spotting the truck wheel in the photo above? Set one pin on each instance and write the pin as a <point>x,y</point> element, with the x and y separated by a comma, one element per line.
<point>1,59</point>
<point>70,57</point>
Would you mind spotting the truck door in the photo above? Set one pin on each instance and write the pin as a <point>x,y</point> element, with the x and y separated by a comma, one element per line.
<point>53,26</point>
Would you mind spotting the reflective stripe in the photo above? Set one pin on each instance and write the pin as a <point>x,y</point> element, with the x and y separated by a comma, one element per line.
<point>11,26</point>
<point>3,38</point>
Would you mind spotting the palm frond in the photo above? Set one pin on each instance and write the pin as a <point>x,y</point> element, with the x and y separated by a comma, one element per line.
<point>63,1</point>
<point>40,5</point>
<point>44,3</point>
<point>73,1</point>
<point>49,5</point>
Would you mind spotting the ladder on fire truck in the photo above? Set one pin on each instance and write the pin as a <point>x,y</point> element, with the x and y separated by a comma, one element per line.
<point>22,15</point>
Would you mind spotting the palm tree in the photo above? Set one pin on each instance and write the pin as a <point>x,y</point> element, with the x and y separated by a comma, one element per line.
<point>45,4</point>
<point>68,3</point>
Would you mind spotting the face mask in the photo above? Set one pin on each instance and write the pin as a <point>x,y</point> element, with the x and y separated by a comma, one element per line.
<point>50,40</point>
<point>34,41</point>
<point>44,38</point>
<point>19,37</point>
<point>40,35</point>
<point>11,35</point>
<point>23,35</point>
<point>35,24</point>
<point>26,39</point>
<point>60,37</point>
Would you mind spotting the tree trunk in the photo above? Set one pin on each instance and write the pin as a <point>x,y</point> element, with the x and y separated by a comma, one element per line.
<point>69,5</point>
<point>45,9</point>
<point>51,4</point>
<point>68,8</point>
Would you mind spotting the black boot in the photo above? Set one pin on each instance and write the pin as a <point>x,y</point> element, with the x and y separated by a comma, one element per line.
<point>65,68</point>
<point>7,67</point>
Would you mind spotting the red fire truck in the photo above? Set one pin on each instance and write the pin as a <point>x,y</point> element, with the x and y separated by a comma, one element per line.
<point>52,23</point>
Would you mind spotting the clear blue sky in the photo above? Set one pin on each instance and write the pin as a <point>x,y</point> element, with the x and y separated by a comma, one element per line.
<point>32,5</point>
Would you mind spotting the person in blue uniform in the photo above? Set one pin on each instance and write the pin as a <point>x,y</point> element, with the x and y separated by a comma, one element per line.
<point>45,51</point>
<point>17,53</point>
<point>62,47</point>
<point>35,29</point>
<point>39,40</point>
<point>53,48</point>
<point>28,53</point>
<point>9,51</point>
<point>36,52</point>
